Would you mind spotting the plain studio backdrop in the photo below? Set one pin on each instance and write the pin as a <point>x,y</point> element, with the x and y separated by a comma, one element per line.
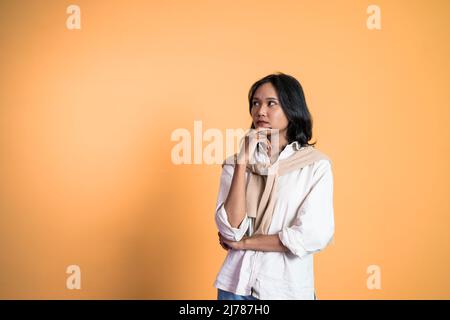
<point>86,117</point>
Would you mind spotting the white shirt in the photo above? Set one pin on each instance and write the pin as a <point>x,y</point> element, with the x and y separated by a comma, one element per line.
<point>304,221</point>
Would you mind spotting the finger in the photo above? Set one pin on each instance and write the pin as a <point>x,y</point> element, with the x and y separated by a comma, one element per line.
<point>262,129</point>
<point>256,132</point>
<point>262,133</point>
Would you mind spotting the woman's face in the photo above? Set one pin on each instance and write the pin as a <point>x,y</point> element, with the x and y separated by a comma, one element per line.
<point>266,109</point>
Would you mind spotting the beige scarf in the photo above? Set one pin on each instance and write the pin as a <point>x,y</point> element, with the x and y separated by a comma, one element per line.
<point>262,184</point>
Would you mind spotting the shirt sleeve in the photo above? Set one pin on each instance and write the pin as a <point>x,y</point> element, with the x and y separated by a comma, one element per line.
<point>313,227</point>
<point>221,217</point>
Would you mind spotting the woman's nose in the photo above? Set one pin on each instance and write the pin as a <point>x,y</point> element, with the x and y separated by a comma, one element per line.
<point>262,110</point>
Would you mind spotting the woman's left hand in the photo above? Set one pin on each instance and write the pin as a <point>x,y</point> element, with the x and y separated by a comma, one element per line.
<point>229,244</point>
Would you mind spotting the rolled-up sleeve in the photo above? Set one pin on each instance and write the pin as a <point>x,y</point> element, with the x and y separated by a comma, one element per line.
<point>313,227</point>
<point>221,217</point>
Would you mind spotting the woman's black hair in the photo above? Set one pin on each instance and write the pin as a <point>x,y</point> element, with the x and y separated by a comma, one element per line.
<point>293,103</point>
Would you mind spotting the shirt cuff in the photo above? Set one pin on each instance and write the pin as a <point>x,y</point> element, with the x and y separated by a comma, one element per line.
<point>229,232</point>
<point>291,240</point>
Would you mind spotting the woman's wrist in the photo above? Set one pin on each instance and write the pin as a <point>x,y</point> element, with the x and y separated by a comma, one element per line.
<point>244,243</point>
<point>240,162</point>
<point>239,158</point>
<point>241,168</point>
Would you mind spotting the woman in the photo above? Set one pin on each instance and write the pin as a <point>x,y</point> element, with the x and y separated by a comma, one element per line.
<point>275,204</point>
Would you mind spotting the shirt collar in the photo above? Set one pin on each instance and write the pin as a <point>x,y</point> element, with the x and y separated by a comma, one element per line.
<point>296,145</point>
<point>289,150</point>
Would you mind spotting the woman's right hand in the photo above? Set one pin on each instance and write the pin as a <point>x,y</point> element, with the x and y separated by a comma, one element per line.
<point>251,140</point>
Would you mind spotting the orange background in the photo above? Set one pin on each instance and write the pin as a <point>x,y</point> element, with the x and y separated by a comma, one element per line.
<point>86,115</point>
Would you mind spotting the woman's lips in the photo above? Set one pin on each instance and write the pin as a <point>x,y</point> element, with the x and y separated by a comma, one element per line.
<point>263,124</point>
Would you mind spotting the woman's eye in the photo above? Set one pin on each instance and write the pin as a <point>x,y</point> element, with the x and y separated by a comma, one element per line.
<point>254,103</point>
<point>271,102</point>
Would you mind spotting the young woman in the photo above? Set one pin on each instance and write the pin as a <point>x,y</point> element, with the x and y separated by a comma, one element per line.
<point>275,204</point>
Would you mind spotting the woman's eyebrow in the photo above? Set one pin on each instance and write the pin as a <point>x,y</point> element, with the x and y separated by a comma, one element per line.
<point>268,98</point>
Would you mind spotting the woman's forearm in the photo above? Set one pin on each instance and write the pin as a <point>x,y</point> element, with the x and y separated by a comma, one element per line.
<point>264,243</point>
<point>235,203</point>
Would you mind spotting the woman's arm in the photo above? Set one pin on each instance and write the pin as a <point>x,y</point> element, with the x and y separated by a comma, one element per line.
<point>235,203</point>
<point>257,243</point>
